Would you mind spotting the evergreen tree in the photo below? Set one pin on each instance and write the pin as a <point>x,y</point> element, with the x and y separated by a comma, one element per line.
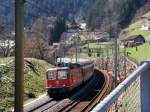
<point>59,28</point>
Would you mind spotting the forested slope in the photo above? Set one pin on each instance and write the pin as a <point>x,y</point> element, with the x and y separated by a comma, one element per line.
<point>118,11</point>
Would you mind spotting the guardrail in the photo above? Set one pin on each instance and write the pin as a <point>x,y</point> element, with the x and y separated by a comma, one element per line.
<point>132,95</point>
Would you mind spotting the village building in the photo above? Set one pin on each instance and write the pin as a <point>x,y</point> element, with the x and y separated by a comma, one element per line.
<point>146,25</point>
<point>102,37</point>
<point>133,40</point>
<point>83,26</point>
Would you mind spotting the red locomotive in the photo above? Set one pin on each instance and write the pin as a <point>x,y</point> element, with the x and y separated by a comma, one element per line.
<point>68,76</point>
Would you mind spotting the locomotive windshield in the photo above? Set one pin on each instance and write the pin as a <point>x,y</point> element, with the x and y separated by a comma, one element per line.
<point>51,75</point>
<point>57,73</point>
<point>62,74</point>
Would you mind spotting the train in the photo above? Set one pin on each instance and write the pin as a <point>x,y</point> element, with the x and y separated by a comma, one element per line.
<point>68,75</point>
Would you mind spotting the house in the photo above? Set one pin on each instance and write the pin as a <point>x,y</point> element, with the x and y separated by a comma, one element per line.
<point>133,40</point>
<point>146,25</point>
<point>83,26</point>
<point>7,43</point>
<point>56,45</point>
<point>74,29</point>
<point>102,37</point>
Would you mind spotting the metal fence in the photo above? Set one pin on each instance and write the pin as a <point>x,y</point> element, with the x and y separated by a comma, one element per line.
<point>132,95</point>
<point>127,101</point>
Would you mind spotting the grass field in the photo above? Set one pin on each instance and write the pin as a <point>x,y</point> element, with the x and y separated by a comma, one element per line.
<point>143,52</point>
<point>102,50</point>
<point>99,45</point>
<point>5,60</point>
<point>147,14</point>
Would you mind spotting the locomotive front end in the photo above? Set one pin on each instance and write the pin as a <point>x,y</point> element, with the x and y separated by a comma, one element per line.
<point>57,80</point>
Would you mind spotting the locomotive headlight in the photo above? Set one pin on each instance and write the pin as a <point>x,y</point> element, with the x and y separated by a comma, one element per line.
<point>62,74</point>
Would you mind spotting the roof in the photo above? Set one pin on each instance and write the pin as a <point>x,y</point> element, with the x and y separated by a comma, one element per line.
<point>69,60</point>
<point>66,63</point>
<point>132,37</point>
<point>58,68</point>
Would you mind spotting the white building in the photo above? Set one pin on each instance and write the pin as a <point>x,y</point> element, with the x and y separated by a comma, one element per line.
<point>6,43</point>
<point>146,26</point>
<point>83,26</point>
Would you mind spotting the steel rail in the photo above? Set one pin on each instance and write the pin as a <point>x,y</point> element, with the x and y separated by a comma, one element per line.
<point>107,86</point>
<point>89,105</point>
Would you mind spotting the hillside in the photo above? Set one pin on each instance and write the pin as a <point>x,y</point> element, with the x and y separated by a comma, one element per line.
<point>34,72</point>
<point>135,28</point>
<point>113,12</point>
<point>38,8</point>
<point>143,52</point>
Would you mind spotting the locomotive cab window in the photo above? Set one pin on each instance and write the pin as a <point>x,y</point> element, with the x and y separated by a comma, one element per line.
<point>62,75</point>
<point>51,75</point>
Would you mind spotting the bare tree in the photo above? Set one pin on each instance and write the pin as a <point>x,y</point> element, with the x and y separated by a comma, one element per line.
<point>38,40</point>
<point>36,45</point>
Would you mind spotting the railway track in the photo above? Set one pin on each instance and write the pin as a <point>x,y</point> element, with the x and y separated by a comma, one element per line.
<point>107,87</point>
<point>44,107</point>
<point>94,95</point>
<point>40,104</point>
